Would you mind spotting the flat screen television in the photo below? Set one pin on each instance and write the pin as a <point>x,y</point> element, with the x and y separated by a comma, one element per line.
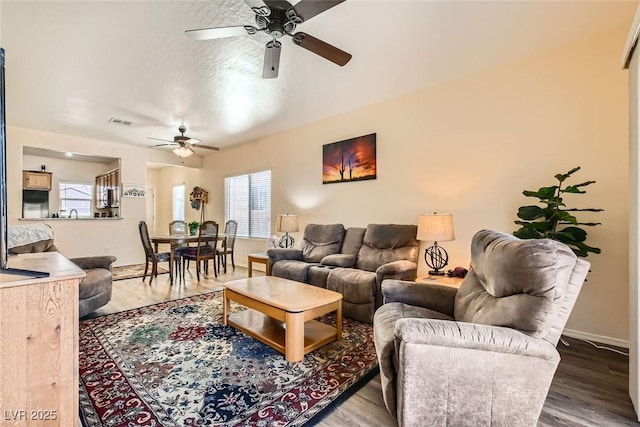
<point>4,249</point>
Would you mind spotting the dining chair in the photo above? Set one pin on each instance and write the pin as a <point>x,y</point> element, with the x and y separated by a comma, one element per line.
<point>152,256</point>
<point>179,227</point>
<point>230,230</point>
<point>205,250</point>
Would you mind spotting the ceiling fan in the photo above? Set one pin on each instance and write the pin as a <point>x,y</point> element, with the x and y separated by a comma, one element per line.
<point>278,18</point>
<point>184,143</point>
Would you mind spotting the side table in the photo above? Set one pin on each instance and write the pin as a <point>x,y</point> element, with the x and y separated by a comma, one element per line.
<point>454,282</point>
<point>260,258</point>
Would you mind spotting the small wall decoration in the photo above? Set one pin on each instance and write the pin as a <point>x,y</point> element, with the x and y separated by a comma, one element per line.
<point>133,190</point>
<point>349,160</point>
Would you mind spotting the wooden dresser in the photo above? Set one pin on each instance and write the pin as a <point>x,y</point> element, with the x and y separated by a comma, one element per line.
<point>39,342</point>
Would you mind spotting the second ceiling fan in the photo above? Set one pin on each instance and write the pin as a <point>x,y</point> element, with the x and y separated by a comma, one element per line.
<point>184,144</point>
<point>278,18</point>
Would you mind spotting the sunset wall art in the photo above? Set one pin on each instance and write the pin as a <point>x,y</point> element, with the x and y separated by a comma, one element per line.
<point>349,160</point>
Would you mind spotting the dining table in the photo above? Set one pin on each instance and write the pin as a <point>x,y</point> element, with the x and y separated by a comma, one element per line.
<point>180,239</point>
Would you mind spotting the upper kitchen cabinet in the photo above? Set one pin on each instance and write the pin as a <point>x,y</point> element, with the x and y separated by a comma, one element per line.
<point>33,180</point>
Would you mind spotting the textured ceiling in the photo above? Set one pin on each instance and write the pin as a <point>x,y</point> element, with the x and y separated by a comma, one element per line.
<point>71,66</point>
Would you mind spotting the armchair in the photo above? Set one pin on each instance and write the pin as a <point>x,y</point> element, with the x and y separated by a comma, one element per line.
<point>95,288</point>
<point>484,354</point>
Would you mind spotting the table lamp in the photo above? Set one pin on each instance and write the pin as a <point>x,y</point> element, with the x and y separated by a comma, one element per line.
<point>436,228</point>
<point>287,223</point>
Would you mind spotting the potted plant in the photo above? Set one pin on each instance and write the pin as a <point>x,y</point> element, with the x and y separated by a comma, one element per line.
<point>193,227</point>
<point>554,220</point>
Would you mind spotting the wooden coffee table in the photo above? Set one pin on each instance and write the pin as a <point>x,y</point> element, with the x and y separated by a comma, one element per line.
<point>281,313</point>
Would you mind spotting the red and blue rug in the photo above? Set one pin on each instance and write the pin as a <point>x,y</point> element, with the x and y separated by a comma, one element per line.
<point>175,364</point>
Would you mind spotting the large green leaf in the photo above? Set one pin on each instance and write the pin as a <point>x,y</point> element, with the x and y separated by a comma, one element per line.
<point>564,176</point>
<point>577,234</point>
<point>542,193</point>
<point>565,216</point>
<point>584,184</point>
<point>530,212</point>
<point>572,189</point>
<point>584,210</point>
<point>541,226</point>
<point>527,233</point>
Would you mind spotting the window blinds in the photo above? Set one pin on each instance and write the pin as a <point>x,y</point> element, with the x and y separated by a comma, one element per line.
<point>248,201</point>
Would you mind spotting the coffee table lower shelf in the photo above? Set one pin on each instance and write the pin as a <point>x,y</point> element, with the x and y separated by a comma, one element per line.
<point>272,332</point>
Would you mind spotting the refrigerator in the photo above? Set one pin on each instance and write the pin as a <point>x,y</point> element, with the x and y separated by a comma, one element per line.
<point>35,204</point>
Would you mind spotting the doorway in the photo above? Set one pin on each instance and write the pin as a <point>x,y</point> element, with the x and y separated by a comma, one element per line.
<point>150,218</point>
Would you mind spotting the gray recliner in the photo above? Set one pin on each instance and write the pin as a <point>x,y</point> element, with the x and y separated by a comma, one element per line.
<point>95,287</point>
<point>484,354</point>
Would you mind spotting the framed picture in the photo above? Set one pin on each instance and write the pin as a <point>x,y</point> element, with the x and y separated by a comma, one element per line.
<point>133,190</point>
<point>349,160</point>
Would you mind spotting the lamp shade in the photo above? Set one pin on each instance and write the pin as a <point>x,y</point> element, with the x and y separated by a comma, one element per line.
<point>287,223</point>
<point>183,151</point>
<point>435,228</point>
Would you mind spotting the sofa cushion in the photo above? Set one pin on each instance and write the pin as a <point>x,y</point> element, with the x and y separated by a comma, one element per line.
<point>339,260</point>
<point>356,286</point>
<point>96,281</point>
<point>317,275</point>
<point>384,243</point>
<point>513,282</point>
<point>321,240</point>
<point>352,240</point>
<point>292,270</point>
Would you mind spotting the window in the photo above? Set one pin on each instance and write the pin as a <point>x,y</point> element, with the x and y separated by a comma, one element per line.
<point>76,195</point>
<point>247,199</point>
<point>178,202</point>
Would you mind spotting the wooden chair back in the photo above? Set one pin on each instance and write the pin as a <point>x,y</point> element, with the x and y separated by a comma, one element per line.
<point>178,227</point>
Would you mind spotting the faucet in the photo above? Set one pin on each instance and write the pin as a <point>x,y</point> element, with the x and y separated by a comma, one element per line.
<point>72,211</point>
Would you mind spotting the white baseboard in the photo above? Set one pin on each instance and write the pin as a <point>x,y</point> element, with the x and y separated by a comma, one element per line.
<point>596,338</point>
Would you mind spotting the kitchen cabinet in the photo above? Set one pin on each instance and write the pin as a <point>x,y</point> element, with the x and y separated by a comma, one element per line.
<point>32,180</point>
<point>108,190</point>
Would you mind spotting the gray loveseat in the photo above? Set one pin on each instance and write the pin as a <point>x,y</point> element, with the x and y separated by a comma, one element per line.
<point>353,262</point>
<point>483,355</point>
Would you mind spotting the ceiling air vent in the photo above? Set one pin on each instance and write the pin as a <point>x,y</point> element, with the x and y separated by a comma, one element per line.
<point>120,121</point>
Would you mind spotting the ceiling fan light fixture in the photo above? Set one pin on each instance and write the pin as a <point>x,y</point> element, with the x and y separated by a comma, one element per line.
<point>183,151</point>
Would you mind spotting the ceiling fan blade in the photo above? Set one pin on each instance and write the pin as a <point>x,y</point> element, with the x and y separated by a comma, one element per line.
<point>321,48</point>
<point>258,7</point>
<point>206,147</point>
<point>271,60</point>
<point>163,145</point>
<point>219,32</point>
<point>307,9</point>
<point>192,141</point>
<point>160,139</point>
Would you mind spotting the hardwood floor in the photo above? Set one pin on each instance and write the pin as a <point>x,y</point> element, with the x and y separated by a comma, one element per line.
<point>590,387</point>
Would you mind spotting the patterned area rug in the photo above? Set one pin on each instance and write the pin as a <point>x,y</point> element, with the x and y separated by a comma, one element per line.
<point>136,270</point>
<point>174,364</point>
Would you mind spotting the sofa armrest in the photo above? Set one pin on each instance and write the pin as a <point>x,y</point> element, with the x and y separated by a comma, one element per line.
<point>339,260</point>
<point>87,263</point>
<point>451,334</point>
<point>432,296</point>
<point>279,254</point>
<point>400,270</point>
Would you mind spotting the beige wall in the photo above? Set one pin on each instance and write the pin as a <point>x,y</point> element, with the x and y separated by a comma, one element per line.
<point>470,147</point>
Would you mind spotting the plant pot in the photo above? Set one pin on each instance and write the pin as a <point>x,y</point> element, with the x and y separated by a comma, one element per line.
<point>193,231</point>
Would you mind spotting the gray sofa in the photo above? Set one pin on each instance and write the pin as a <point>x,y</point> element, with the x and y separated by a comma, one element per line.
<point>94,289</point>
<point>353,262</point>
<point>484,354</point>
